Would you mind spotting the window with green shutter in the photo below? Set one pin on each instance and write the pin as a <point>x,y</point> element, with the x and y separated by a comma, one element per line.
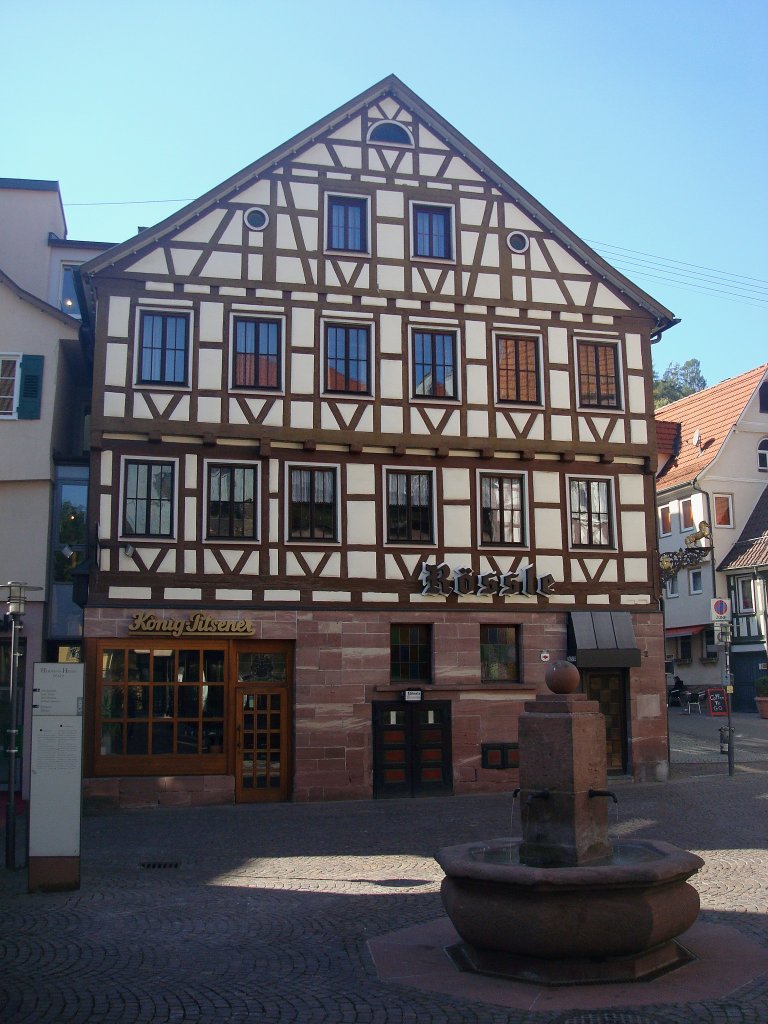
<point>30,387</point>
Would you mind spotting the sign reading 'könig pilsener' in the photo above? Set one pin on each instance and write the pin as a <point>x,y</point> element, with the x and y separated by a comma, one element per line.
<point>198,624</point>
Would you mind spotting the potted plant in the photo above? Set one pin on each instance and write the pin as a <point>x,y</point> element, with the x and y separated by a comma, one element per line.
<point>761,696</point>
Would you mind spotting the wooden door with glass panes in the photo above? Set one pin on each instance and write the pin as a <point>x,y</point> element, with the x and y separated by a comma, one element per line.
<point>263,723</point>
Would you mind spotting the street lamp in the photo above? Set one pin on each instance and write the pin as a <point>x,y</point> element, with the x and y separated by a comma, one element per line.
<point>17,604</point>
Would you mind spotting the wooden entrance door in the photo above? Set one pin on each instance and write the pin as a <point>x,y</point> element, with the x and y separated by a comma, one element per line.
<point>609,689</point>
<point>262,725</point>
<point>412,749</point>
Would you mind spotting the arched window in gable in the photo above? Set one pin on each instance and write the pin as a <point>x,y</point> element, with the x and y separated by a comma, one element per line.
<point>762,455</point>
<point>391,132</point>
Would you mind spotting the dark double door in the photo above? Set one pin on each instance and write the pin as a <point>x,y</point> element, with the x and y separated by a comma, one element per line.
<point>412,749</point>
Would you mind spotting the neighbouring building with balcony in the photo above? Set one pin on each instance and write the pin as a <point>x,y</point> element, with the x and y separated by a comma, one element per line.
<point>713,458</point>
<point>45,394</point>
<point>372,444</point>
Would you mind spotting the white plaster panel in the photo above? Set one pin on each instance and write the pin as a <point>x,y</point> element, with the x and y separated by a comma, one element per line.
<point>475,340</point>
<point>537,259</point>
<point>546,486</point>
<point>391,279</point>
<point>303,327</point>
<point>257,193</point>
<point>290,270</point>
<point>350,156</point>
<point>209,368</point>
<point>550,564</point>
<point>456,524</point>
<point>159,286</point>
<point>429,141</point>
<point>303,373</point>
<point>140,407</point>
<point>560,389</point>
<point>190,561</point>
<point>391,241</point>
<point>604,297</point>
<point>361,523</point>
<point>352,130</point>
<point>390,204</point>
<point>515,218</point>
<point>168,563</point>
<point>456,484</point>
<point>305,195</point>
<point>117,321</point>
<point>638,431</point>
<point>391,333</point>
<point>317,154</point>
<point>210,566</point>
<point>519,288</point>
<point>233,232</point>
<point>131,593</point>
<point>361,478</point>
<point>557,344</point>
<point>255,266</point>
<point>301,415</point>
<point>477,385</point>
<point>115,371</point>
<point>635,570</point>
<point>211,321</point>
<point>282,595</point>
<point>459,168</point>
<point>202,230</point>
<point>274,417</point>
<point>391,419</point>
<point>429,164</point>
<point>333,565</point>
<point>477,423</point>
<point>209,410</point>
<point>636,394</point>
<point>633,348</point>
<point>190,469</point>
<point>391,379</point>
<point>105,516</point>
<point>472,211</point>
<point>546,290</point>
<point>274,518</point>
<point>223,264</point>
<point>633,531</point>
<point>153,263</point>
<point>285,236</point>
<point>190,518</point>
<point>579,291</point>
<point>361,565</point>
<point>548,526</point>
<point>560,428</point>
<point>491,252</point>
<point>469,240</point>
<point>562,259</point>
<point>234,595</point>
<point>114,404</point>
<point>181,412</point>
<point>487,287</point>
<point>309,231</point>
<point>105,469</point>
<point>631,490</point>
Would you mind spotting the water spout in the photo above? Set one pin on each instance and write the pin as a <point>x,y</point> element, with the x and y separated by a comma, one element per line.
<point>604,792</point>
<point>540,794</point>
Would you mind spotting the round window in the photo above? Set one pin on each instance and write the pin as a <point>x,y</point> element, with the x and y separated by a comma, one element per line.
<point>517,241</point>
<point>256,218</point>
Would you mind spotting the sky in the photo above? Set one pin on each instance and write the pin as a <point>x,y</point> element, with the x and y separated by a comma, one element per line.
<point>641,124</point>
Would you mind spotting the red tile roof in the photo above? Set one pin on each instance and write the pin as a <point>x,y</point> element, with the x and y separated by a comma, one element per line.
<point>667,436</point>
<point>712,413</point>
<point>751,549</point>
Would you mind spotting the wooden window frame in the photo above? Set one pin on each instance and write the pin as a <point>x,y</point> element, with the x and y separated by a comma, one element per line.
<point>150,464</point>
<point>691,574</point>
<point>432,366</point>
<point>490,644</point>
<point>665,513</point>
<point>231,468</point>
<point>416,637</point>
<point>409,476</point>
<point>315,535</point>
<point>423,242</point>
<point>728,500</point>
<point>261,352</point>
<point>577,515</point>
<point>486,509</point>
<point>605,392</point>
<point>163,378</point>
<point>686,515</point>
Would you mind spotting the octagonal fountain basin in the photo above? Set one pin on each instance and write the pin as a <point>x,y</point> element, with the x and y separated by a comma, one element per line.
<point>625,909</point>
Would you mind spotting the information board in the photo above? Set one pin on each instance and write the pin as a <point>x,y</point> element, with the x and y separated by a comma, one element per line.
<point>717,701</point>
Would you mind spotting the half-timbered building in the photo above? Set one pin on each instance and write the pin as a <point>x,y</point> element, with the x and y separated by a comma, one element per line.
<point>373,441</point>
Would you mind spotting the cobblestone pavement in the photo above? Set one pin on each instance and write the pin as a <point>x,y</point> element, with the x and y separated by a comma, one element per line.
<point>262,913</point>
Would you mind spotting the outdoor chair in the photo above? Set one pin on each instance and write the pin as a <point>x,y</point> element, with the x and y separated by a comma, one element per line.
<point>691,699</point>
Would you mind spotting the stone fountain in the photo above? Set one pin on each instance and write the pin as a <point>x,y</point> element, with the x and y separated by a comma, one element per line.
<point>565,905</point>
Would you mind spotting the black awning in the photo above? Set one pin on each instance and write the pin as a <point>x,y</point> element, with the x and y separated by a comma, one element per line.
<point>603,640</point>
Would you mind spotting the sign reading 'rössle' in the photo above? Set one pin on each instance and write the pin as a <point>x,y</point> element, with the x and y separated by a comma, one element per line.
<point>436,579</point>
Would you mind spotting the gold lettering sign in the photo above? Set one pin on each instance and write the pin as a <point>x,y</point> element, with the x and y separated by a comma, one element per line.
<point>198,624</point>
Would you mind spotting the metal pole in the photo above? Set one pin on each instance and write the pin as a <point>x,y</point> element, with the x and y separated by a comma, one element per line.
<point>13,733</point>
<point>728,698</point>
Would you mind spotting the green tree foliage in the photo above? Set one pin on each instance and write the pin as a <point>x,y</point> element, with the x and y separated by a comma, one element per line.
<point>677,381</point>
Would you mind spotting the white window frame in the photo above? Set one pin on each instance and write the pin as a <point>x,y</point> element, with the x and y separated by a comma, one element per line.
<point>378,142</point>
<point>309,542</point>
<point>585,549</point>
<point>245,464</point>
<point>745,607</point>
<point>15,358</point>
<point>762,456</point>
<point>600,339</point>
<point>517,332</point>
<point>673,588</point>
<point>434,327</point>
<point>729,499</point>
<point>344,320</point>
<point>662,531</point>
<point>182,307</point>
<point>691,574</point>
<point>255,314</point>
<point>149,538</point>
<point>524,544</point>
<point>409,545</point>
<point>440,260</point>
<point>683,528</point>
<point>336,193</point>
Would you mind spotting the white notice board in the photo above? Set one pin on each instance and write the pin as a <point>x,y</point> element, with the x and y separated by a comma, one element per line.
<point>57,761</point>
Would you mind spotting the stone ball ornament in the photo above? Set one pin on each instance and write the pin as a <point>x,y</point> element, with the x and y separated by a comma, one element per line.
<point>562,677</point>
